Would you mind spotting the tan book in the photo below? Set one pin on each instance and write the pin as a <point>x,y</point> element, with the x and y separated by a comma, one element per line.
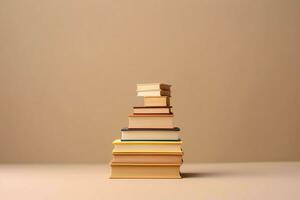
<point>151,171</point>
<point>152,86</point>
<point>157,101</point>
<point>147,146</point>
<point>139,158</point>
<point>150,121</point>
<point>152,110</point>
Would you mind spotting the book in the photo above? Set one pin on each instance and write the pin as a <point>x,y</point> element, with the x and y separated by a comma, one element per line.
<point>157,101</point>
<point>150,121</point>
<point>150,134</point>
<point>147,146</point>
<point>138,158</point>
<point>145,171</point>
<point>152,110</point>
<point>153,93</point>
<point>152,86</point>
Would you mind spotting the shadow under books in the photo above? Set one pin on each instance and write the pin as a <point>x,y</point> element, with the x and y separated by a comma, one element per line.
<point>205,174</point>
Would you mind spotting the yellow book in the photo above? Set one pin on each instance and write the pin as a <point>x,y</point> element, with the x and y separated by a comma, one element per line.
<point>147,146</point>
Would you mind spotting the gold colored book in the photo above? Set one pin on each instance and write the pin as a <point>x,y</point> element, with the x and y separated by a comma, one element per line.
<point>135,171</point>
<point>147,146</point>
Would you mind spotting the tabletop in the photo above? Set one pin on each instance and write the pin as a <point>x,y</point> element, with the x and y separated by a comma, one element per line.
<point>268,180</point>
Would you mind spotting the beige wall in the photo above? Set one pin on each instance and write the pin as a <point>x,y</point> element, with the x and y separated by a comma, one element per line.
<point>68,71</point>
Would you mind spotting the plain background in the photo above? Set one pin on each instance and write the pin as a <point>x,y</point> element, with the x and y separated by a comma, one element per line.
<point>68,71</point>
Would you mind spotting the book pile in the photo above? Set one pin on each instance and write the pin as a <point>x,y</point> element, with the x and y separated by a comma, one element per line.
<point>150,147</point>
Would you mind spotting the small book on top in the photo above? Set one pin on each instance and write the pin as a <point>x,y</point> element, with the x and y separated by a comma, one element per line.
<point>152,86</point>
<point>153,89</point>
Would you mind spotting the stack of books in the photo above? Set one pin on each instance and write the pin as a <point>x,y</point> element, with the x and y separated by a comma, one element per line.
<point>150,147</point>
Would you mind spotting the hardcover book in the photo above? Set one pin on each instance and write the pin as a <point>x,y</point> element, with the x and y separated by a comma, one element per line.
<point>157,101</point>
<point>150,134</point>
<point>145,171</point>
<point>147,146</point>
<point>152,109</point>
<point>152,86</point>
<point>154,93</point>
<point>139,158</point>
<point>150,121</point>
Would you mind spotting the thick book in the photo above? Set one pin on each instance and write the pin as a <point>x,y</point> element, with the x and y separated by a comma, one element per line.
<point>157,101</point>
<point>150,134</point>
<point>154,93</point>
<point>152,110</point>
<point>152,86</point>
<point>147,158</point>
<point>144,171</point>
<point>150,121</point>
<point>147,146</point>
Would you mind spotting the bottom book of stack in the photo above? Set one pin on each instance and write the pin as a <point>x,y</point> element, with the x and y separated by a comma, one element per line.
<point>147,159</point>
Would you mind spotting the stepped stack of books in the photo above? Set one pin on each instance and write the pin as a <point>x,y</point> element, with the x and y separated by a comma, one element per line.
<point>150,147</point>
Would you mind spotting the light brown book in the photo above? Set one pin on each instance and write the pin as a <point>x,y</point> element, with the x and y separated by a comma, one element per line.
<point>152,109</point>
<point>152,86</point>
<point>139,158</point>
<point>151,171</point>
<point>157,101</point>
<point>150,121</point>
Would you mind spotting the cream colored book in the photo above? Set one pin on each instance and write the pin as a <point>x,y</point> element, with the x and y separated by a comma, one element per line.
<point>157,101</point>
<point>150,134</point>
<point>154,93</point>
<point>151,171</point>
<point>152,86</point>
<point>146,146</point>
<point>150,121</point>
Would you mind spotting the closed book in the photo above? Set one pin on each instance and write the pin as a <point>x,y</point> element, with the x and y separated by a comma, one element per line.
<point>151,171</point>
<point>150,121</point>
<point>147,146</point>
<point>150,134</point>
<point>157,101</point>
<point>152,110</point>
<point>154,93</point>
<point>140,158</point>
<point>152,86</point>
